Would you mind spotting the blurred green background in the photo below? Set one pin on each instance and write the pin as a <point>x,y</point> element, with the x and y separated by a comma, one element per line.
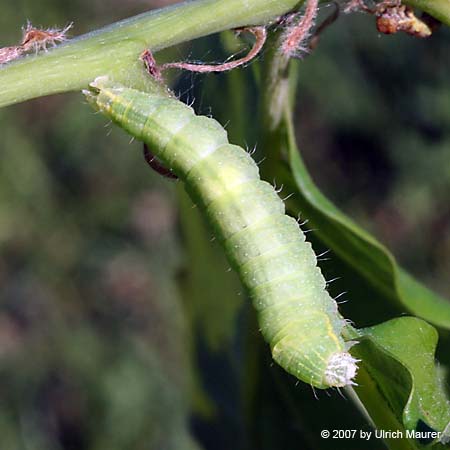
<point>120,325</point>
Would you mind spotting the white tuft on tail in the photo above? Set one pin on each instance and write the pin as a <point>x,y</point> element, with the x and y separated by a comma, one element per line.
<point>341,370</point>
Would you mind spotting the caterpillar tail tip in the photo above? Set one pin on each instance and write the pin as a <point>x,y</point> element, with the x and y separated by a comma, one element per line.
<point>341,370</point>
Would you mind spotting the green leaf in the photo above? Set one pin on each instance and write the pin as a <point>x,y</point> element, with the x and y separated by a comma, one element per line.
<point>398,366</point>
<point>398,389</point>
<point>358,248</point>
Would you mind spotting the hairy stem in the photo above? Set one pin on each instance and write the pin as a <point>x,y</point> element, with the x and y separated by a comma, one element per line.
<point>115,50</point>
<point>298,32</point>
<point>260,35</point>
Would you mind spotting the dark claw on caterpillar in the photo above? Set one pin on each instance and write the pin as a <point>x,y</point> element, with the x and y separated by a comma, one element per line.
<point>156,165</point>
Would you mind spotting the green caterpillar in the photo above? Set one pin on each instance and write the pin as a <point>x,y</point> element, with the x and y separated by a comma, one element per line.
<point>265,246</point>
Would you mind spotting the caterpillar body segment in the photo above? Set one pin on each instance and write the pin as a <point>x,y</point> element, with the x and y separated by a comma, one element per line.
<point>265,246</point>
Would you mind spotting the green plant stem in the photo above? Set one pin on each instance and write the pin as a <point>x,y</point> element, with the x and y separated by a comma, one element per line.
<point>115,49</point>
<point>440,9</point>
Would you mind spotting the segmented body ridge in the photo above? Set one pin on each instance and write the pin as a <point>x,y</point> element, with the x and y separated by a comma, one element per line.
<point>264,245</point>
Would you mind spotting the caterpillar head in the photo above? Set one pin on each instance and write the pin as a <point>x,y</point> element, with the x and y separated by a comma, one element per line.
<point>94,90</point>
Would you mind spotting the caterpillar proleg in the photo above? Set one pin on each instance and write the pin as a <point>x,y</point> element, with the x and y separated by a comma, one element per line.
<point>266,247</point>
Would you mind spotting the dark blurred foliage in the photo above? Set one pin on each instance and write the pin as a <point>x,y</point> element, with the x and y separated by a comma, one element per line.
<point>120,327</point>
